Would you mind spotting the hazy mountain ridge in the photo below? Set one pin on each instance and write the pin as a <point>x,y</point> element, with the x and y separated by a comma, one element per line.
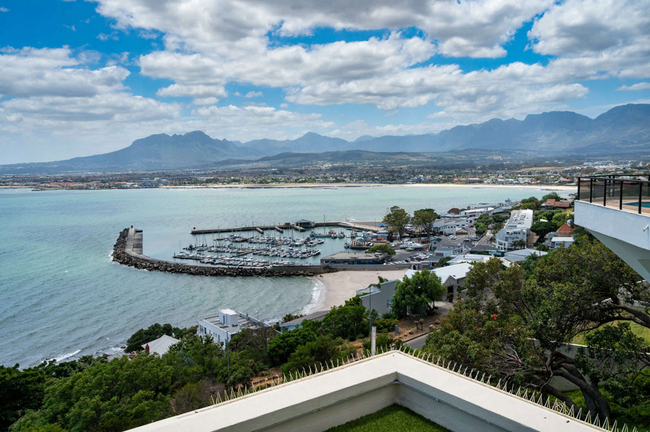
<point>622,130</point>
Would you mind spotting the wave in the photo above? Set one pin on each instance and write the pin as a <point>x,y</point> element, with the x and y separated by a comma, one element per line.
<point>317,295</point>
<point>65,356</point>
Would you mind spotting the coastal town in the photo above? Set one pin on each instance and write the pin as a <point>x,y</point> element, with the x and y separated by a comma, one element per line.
<point>447,245</point>
<point>542,173</point>
<point>325,216</point>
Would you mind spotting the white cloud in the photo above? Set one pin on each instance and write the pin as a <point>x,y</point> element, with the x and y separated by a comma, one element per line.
<point>106,36</point>
<point>596,38</point>
<point>253,94</point>
<point>461,28</point>
<point>200,91</point>
<point>54,72</point>
<point>635,87</point>
<point>253,122</point>
<point>4,9</point>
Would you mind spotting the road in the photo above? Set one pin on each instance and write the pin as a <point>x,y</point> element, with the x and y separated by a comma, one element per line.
<point>418,342</point>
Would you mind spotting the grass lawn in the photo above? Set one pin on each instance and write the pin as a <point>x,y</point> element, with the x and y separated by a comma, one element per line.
<point>393,418</point>
<point>637,329</point>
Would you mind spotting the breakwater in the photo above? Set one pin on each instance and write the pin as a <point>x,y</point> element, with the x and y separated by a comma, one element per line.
<point>128,251</point>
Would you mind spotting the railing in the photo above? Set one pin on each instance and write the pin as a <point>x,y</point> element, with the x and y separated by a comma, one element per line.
<point>625,191</point>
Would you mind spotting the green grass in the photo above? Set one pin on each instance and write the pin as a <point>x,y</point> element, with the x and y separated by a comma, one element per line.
<point>392,418</point>
<point>639,330</point>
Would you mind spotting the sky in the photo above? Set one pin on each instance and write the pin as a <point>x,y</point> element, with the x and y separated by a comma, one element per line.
<point>85,77</point>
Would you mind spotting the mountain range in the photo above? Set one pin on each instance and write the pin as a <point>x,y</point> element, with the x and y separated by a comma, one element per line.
<point>623,130</point>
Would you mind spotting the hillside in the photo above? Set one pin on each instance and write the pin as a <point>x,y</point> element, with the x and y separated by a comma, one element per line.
<point>623,130</point>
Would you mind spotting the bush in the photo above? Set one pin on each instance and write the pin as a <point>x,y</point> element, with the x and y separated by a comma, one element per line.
<point>283,345</point>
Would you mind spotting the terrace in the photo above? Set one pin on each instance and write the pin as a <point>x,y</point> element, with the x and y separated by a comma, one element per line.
<point>616,210</point>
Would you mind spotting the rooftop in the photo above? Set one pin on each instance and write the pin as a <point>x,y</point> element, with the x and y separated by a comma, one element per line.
<point>243,322</point>
<point>454,397</point>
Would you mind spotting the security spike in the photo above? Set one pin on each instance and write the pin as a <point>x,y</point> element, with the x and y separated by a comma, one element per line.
<point>597,421</point>
<point>606,423</point>
<point>525,396</point>
<point>540,400</point>
<point>624,428</point>
<point>218,398</point>
<point>614,425</point>
<point>547,404</point>
<point>337,362</point>
<point>635,429</point>
<point>284,378</point>
<point>571,411</point>
<point>489,380</point>
<point>588,417</point>
<point>579,415</point>
<point>499,384</point>
<point>482,378</point>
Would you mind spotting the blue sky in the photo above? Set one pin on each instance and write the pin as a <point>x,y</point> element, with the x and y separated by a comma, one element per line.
<point>87,77</point>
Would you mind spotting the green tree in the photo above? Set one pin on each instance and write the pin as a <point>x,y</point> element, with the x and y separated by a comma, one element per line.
<point>112,396</point>
<point>383,249</point>
<point>424,219</point>
<point>550,300</point>
<point>552,195</point>
<point>397,219</point>
<point>283,345</point>
<point>347,322</point>
<point>419,291</point>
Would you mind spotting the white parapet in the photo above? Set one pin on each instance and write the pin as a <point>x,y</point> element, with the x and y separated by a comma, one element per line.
<point>336,396</point>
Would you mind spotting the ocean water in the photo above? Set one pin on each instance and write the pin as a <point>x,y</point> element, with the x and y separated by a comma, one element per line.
<point>62,297</point>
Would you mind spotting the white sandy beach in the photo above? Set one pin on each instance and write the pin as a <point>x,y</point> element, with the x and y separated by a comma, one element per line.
<point>342,185</point>
<point>333,289</point>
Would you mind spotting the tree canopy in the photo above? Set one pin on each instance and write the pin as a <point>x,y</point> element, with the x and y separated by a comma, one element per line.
<point>424,219</point>
<point>515,320</point>
<point>397,219</point>
<point>382,248</point>
<point>417,292</point>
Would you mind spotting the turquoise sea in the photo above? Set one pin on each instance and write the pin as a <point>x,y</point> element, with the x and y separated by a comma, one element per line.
<point>62,297</point>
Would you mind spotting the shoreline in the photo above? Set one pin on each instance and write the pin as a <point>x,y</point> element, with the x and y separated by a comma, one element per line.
<point>337,185</point>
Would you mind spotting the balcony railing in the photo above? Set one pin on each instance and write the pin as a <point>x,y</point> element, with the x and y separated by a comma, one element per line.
<point>622,191</point>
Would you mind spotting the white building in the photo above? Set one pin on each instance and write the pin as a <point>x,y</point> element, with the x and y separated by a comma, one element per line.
<point>451,225</point>
<point>517,228</point>
<point>160,346</point>
<point>228,323</point>
<point>473,214</point>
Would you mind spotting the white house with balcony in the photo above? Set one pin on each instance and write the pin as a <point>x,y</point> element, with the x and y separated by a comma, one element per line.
<point>516,229</point>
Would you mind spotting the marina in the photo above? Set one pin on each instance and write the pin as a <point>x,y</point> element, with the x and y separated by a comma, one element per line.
<point>277,245</point>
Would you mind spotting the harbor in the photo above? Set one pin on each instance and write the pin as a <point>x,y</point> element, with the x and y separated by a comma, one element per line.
<point>298,243</point>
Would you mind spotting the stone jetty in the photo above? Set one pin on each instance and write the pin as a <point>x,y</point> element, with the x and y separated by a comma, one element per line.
<point>128,251</point>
